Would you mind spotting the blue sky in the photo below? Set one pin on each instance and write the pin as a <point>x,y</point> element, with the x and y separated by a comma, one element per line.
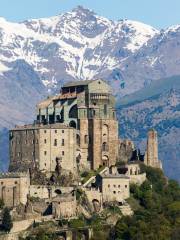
<point>158,13</point>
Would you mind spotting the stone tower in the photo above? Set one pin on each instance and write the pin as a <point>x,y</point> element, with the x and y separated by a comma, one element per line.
<point>151,154</point>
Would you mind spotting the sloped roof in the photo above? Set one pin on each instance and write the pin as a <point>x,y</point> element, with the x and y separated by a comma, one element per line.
<point>45,103</point>
<point>78,83</point>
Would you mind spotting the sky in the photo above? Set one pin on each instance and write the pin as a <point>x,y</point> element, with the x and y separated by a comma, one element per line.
<point>157,13</point>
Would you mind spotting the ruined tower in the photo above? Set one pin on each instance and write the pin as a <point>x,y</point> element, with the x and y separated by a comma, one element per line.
<point>151,154</point>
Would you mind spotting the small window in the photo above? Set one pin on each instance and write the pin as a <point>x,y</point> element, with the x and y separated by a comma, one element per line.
<point>125,186</point>
<point>19,154</point>
<point>15,182</point>
<point>113,115</point>
<point>55,131</point>
<point>45,141</point>
<point>105,109</point>
<point>62,143</point>
<point>114,192</point>
<point>55,142</point>
<point>62,131</point>
<point>108,185</point>
<point>36,141</point>
<point>32,141</point>
<point>104,147</point>
<point>33,153</point>
<point>44,131</point>
<point>86,139</point>
<point>45,164</point>
<point>62,153</point>
<point>45,153</point>
<point>1,183</point>
<point>26,142</point>
<point>114,186</point>
<point>119,186</point>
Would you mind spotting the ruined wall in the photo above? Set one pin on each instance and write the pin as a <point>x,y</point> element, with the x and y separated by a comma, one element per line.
<point>64,207</point>
<point>46,192</point>
<point>151,154</point>
<point>14,189</point>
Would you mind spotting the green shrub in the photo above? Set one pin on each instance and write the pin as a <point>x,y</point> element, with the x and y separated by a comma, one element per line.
<point>7,223</point>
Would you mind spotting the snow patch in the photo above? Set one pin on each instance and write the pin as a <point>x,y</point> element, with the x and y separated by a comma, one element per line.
<point>3,68</point>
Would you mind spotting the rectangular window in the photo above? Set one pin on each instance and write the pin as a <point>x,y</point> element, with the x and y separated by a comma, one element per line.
<point>62,131</point>
<point>62,153</point>
<point>105,109</point>
<point>45,153</point>
<point>44,131</point>
<point>55,142</point>
<point>45,141</point>
<point>62,142</point>
<point>55,131</point>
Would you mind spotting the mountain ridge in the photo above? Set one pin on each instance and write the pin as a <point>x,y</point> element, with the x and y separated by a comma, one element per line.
<point>38,56</point>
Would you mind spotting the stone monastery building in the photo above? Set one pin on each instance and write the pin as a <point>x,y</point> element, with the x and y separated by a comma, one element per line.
<point>74,132</point>
<point>78,126</point>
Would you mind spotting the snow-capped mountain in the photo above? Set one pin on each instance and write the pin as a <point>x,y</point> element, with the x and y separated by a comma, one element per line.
<point>74,45</point>
<point>38,56</point>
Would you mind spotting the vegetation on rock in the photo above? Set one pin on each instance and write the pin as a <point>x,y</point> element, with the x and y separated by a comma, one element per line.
<point>157,210</point>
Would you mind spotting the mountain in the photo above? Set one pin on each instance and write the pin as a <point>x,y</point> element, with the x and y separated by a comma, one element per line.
<point>38,56</point>
<point>157,106</point>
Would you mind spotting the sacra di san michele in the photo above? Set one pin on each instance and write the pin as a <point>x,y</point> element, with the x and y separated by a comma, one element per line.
<point>75,132</point>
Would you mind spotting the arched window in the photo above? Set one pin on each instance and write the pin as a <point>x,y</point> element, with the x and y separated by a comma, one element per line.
<point>73,112</point>
<point>72,124</point>
<point>78,139</point>
<point>105,131</point>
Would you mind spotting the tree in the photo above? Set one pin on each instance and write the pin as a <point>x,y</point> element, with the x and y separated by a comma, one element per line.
<point>1,203</point>
<point>7,223</point>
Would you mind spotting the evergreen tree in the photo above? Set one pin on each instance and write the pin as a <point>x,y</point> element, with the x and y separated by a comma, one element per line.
<point>7,223</point>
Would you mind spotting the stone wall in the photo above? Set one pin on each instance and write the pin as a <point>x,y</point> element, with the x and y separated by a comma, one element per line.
<point>115,188</point>
<point>64,206</point>
<point>57,143</point>
<point>46,192</point>
<point>14,189</point>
